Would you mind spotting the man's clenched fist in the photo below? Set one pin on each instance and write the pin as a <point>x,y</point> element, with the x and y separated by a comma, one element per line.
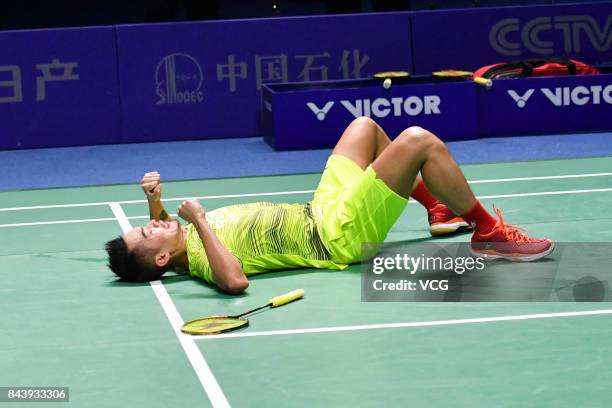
<point>191,211</point>
<point>151,185</point>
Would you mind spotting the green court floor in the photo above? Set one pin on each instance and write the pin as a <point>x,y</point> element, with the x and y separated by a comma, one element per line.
<point>66,321</point>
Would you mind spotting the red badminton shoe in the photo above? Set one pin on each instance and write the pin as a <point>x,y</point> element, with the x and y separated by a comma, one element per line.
<point>442,221</point>
<point>508,242</point>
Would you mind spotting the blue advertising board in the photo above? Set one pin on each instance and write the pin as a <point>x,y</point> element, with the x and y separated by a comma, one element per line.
<point>58,88</point>
<point>180,81</point>
<point>309,116</point>
<point>471,38</point>
<point>546,105</point>
<point>203,80</point>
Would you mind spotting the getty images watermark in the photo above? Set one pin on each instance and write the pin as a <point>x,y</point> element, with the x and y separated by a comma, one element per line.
<point>449,272</point>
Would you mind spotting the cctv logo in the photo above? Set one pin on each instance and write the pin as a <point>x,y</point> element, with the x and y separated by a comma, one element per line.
<point>567,96</point>
<point>382,107</point>
<point>533,34</point>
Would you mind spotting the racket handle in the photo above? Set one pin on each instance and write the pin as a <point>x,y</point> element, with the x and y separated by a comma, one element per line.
<point>286,298</point>
<point>483,81</point>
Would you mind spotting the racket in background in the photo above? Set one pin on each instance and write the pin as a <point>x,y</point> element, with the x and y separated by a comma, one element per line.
<point>453,73</point>
<point>388,77</point>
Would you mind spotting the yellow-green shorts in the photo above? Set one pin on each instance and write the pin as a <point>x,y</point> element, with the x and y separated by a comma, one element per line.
<point>351,206</point>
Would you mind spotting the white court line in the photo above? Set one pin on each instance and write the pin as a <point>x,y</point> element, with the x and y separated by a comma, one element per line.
<point>93,204</point>
<point>544,193</point>
<point>541,193</point>
<point>27,224</point>
<point>205,375</point>
<point>42,207</point>
<point>567,176</point>
<point>404,325</point>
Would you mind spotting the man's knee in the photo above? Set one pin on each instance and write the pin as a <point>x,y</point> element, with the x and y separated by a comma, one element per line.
<point>417,132</point>
<point>364,121</point>
<point>415,137</point>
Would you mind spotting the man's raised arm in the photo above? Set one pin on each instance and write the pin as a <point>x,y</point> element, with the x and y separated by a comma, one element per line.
<point>227,271</point>
<point>151,185</point>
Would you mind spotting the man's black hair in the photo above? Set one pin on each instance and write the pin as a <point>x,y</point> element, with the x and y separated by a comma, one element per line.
<point>130,266</point>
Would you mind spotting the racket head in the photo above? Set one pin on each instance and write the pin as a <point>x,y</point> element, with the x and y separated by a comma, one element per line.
<point>452,73</point>
<point>214,325</point>
<point>391,74</point>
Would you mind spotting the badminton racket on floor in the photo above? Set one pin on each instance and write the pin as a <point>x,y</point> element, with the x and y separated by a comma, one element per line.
<point>223,324</point>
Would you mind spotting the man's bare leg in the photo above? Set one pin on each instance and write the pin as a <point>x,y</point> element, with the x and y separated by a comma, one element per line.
<point>363,141</point>
<point>416,149</point>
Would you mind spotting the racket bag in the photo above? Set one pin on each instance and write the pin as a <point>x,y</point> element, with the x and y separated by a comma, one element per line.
<point>536,67</point>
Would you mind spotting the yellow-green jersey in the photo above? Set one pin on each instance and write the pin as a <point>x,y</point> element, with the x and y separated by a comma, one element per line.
<point>263,236</point>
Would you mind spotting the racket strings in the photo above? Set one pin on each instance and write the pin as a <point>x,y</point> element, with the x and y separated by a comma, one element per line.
<point>214,325</point>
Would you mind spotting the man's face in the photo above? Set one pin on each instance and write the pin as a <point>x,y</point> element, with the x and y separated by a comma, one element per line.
<point>155,237</point>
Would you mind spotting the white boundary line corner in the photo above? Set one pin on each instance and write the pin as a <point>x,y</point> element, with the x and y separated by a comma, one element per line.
<point>199,364</point>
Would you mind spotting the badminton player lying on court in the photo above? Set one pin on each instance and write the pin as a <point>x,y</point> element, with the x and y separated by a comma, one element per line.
<point>363,190</point>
